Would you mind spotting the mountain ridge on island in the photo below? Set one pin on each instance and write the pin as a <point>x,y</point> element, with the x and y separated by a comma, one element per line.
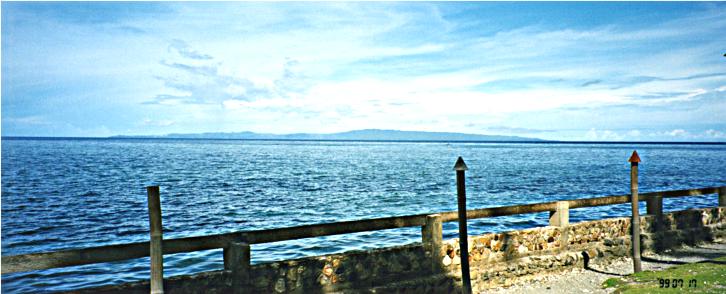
<point>355,135</point>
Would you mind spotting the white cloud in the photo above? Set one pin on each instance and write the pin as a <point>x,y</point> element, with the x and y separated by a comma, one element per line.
<point>711,133</point>
<point>637,135</point>
<point>633,134</point>
<point>685,135</point>
<point>603,135</point>
<point>678,133</point>
<point>330,40</point>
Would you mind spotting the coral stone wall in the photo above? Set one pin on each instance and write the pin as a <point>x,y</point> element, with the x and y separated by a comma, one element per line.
<point>353,270</point>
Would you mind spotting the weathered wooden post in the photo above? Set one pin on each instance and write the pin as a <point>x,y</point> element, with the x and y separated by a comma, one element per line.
<point>432,238</point>
<point>561,218</point>
<point>155,249</point>
<point>460,168</point>
<point>722,196</point>
<point>635,219</point>
<point>237,261</point>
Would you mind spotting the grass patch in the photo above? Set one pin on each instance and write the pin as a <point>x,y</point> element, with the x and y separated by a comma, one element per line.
<point>702,277</point>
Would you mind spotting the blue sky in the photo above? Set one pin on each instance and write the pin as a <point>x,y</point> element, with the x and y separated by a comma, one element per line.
<point>564,71</point>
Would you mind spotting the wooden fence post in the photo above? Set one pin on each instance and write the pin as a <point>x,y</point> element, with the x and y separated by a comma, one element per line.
<point>561,218</point>
<point>460,168</point>
<point>635,218</point>
<point>722,196</point>
<point>431,237</point>
<point>654,205</point>
<point>155,249</point>
<point>237,261</point>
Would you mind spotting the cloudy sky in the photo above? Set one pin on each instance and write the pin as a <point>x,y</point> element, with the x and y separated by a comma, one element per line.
<point>564,71</point>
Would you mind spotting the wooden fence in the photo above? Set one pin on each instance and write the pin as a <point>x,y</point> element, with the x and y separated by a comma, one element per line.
<point>236,244</point>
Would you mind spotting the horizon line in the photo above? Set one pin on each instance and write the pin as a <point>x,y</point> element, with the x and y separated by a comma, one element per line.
<point>538,141</point>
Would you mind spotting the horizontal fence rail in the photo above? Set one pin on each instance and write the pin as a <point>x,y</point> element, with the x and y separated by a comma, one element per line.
<point>120,252</point>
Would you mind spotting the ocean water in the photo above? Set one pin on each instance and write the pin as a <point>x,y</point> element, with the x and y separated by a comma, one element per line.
<point>75,193</point>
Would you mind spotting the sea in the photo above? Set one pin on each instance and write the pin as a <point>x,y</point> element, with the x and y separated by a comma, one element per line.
<point>62,194</point>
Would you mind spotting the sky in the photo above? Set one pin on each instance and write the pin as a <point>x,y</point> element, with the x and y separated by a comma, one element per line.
<point>559,71</point>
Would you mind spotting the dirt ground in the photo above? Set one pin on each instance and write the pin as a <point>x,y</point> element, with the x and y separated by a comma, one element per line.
<point>589,280</point>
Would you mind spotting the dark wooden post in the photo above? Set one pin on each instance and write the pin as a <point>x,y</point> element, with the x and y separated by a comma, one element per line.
<point>635,219</point>
<point>654,205</point>
<point>155,249</point>
<point>432,238</point>
<point>722,196</point>
<point>237,261</point>
<point>460,168</point>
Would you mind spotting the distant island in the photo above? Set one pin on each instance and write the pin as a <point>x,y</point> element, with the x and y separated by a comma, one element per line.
<point>357,135</point>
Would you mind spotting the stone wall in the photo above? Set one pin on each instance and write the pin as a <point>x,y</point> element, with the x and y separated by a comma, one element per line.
<point>496,259</point>
<point>385,269</point>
